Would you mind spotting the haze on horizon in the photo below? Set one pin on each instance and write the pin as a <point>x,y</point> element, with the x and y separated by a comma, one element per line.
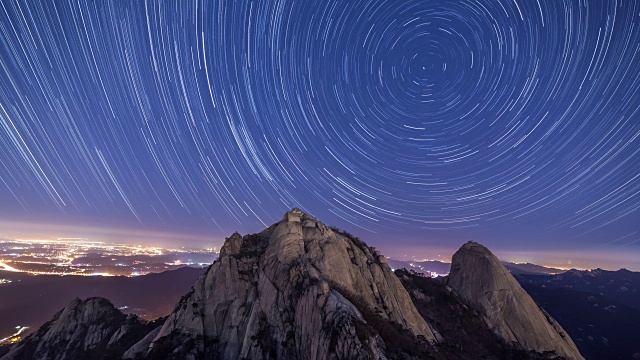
<point>414,125</point>
<point>583,259</point>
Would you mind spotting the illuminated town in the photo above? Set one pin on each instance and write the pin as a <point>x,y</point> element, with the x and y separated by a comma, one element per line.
<point>78,256</point>
<point>14,338</point>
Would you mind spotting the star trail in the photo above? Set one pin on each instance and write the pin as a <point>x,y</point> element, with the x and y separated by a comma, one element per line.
<point>511,121</point>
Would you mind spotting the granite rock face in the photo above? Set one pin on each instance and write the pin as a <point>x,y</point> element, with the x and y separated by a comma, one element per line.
<point>297,290</point>
<point>85,329</point>
<point>480,279</point>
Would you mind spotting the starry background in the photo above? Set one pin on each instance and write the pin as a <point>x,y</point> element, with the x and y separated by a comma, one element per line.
<point>409,123</point>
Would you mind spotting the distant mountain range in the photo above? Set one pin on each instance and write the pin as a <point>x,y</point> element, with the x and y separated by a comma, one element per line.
<point>600,309</point>
<point>440,268</point>
<point>622,286</point>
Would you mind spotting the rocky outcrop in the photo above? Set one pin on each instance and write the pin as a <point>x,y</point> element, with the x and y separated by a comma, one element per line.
<point>478,277</point>
<point>463,330</point>
<point>297,290</point>
<point>85,329</point>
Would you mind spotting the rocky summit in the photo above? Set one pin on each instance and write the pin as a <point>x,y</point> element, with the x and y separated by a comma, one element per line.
<point>297,290</point>
<point>482,281</point>
<point>85,329</point>
<point>302,290</point>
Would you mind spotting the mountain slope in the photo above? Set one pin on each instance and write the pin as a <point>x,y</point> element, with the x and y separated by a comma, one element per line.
<point>478,277</point>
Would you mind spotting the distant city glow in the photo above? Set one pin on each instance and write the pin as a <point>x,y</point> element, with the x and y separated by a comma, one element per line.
<point>16,337</point>
<point>83,257</point>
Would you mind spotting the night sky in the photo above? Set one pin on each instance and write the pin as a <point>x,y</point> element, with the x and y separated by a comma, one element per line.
<point>413,124</point>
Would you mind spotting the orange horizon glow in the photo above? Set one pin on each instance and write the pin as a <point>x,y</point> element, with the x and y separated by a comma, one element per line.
<point>564,259</point>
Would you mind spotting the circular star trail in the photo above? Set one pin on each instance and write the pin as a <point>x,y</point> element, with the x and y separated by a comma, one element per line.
<point>389,116</point>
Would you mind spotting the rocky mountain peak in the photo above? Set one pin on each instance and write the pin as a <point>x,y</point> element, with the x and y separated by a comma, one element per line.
<point>477,248</point>
<point>85,329</point>
<point>482,281</point>
<point>297,290</point>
